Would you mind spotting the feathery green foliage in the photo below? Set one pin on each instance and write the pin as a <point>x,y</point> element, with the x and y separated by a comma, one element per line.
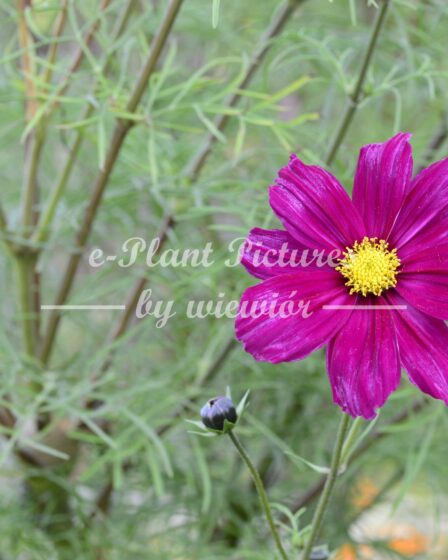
<point>96,459</point>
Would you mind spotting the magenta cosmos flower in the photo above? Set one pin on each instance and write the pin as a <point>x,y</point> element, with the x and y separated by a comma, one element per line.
<point>383,304</point>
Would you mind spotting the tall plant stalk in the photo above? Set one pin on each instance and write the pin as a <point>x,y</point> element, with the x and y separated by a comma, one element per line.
<point>356,96</point>
<point>23,277</point>
<point>122,128</point>
<point>32,151</point>
<point>28,276</point>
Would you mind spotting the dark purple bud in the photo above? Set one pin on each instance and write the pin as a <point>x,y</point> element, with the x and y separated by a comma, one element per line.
<point>216,411</point>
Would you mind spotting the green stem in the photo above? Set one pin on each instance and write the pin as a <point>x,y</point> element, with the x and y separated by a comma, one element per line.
<point>261,493</point>
<point>29,277</point>
<point>328,488</point>
<point>355,97</point>
<point>53,51</point>
<point>350,439</point>
<point>3,221</point>
<point>24,281</point>
<point>33,151</point>
<point>28,282</point>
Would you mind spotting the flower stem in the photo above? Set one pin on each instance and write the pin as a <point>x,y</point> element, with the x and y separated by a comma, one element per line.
<point>350,440</point>
<point>261,493</point>
<point>355,97</point>
<point>328,488</point>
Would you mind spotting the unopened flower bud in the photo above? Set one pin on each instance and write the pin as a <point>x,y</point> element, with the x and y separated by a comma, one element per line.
<point>217,411</point>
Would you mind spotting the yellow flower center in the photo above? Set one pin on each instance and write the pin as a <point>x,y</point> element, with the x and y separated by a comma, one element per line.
<point>369,267</point>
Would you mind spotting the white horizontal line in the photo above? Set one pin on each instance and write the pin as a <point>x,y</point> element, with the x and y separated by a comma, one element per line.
<point>365,307</point>
<point>82,307</point>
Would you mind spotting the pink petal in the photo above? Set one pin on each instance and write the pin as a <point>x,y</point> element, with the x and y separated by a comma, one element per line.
<point>382,180</point>
<point>363,362</point>
<point>314,207</point>
<point>423,281</point>
<point>423,344</point>
<point>424,215</point>
<point>269,253</point>
<point>292,337</point>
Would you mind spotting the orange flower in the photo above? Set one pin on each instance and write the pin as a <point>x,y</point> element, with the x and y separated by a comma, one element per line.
<point>414,543</point>
<point>346,552</point>
<point>364,493</point>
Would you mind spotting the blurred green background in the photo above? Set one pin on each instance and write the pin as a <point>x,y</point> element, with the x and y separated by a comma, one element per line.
<point>173,495</point>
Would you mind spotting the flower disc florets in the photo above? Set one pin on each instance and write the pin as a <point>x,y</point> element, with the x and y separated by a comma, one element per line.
<point>369,267</point>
